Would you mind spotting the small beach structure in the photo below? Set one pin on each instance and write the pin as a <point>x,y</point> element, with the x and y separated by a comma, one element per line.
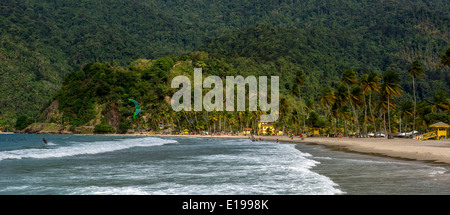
<point>314,131</point>
<point>439,132</point>
<point>247,131</point>
<point>265,128</point>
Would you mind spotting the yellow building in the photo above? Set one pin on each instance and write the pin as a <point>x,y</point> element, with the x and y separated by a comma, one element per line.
<point>247,131</point>
<point>263,127</point>
<point>439,133</point>
<point>315,131</point>
<point>441,130</point>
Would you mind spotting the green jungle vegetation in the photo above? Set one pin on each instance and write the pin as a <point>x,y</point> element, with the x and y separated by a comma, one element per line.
<point>98,94</point>
<point>74,62</point>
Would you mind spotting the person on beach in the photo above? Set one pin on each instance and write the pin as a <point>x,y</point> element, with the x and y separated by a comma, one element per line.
<point>277,140</point>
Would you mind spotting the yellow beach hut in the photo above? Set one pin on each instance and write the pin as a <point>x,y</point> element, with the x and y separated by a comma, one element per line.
<point>441,130</point>
<point>439,133</point>
<point>263,127</point>
<point>315,131</point>
<point>247,131</point>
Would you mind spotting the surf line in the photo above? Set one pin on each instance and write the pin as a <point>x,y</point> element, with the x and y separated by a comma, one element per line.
<point>216,94</point>
<point>193,205</point>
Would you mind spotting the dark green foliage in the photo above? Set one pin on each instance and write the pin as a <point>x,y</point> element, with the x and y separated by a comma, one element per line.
<point>41,41</point>
<point>22,122</point>
<point>103,128</point>
<point>123,127</point>
<point>313,119</point>
<point>159,71</point>
<point>445,58</point>
<point>437,117</point>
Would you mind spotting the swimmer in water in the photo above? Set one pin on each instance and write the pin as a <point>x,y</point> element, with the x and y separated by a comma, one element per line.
<point>45,141</point>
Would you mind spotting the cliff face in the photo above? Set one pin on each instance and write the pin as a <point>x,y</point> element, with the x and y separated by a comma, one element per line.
<point>54,122</point>
<point>51,113</point>
<point>112,117</point>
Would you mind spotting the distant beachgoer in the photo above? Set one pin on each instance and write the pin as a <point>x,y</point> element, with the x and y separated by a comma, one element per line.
<point>45,141</point>
<point>277,140</point>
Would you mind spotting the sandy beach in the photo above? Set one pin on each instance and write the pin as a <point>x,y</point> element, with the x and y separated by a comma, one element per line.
<point>430,150</point>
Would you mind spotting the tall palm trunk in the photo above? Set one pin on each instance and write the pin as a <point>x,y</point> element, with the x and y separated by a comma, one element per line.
<point>355,118</point>
<point>334,124</point>
<point>371,113</point>
<point>345,127</point>
<point>389,116</point>
<point>303,112</point>
<point>384,120</point>
<point>299,122</point>
<point>365,114</point>
<point>414,113</point>
<point>406,124</point>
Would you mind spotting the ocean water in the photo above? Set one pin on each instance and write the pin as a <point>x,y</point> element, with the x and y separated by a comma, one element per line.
<point>126,165</point>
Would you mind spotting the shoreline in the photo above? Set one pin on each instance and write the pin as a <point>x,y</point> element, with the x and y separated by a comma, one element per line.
<point>436,151</point>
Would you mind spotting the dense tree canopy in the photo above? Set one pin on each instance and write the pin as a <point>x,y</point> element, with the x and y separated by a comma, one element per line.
<point>42,41</point>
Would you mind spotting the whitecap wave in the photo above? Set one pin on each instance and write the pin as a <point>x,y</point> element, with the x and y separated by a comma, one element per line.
<point>269,169</point>
<point>83,148</point>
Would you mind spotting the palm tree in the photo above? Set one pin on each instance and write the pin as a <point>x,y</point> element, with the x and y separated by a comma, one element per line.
<point>373,85</point>
<point>349,78</point>
<point>445,58</point>
<point>284,105</point>
<point>213,119</point>
<point>369,83</point>
<point>327,100</point>
<point>364,87</point>
<point>406,111</point>
<point>295,120</point>
<point>299,81</point>
<point>258,116</point>
<point>340,102</point>
<point>390,88</point>
<point>423,109</point>
<point>440,101</point>
<point>415,71</point>
<point>356,98</point>
<point>240,116</point>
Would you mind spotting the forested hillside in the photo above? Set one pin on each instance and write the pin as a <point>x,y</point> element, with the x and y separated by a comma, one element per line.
<point>41,41</point>
<point>324,54</point>
<point>97,97</point>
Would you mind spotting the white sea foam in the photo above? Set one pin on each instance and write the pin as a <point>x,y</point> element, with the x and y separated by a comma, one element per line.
<point>51,144</point>
<point>242,169</point>
<point>97,190</point>
<point>268,169</point>
<point>83,148</point>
